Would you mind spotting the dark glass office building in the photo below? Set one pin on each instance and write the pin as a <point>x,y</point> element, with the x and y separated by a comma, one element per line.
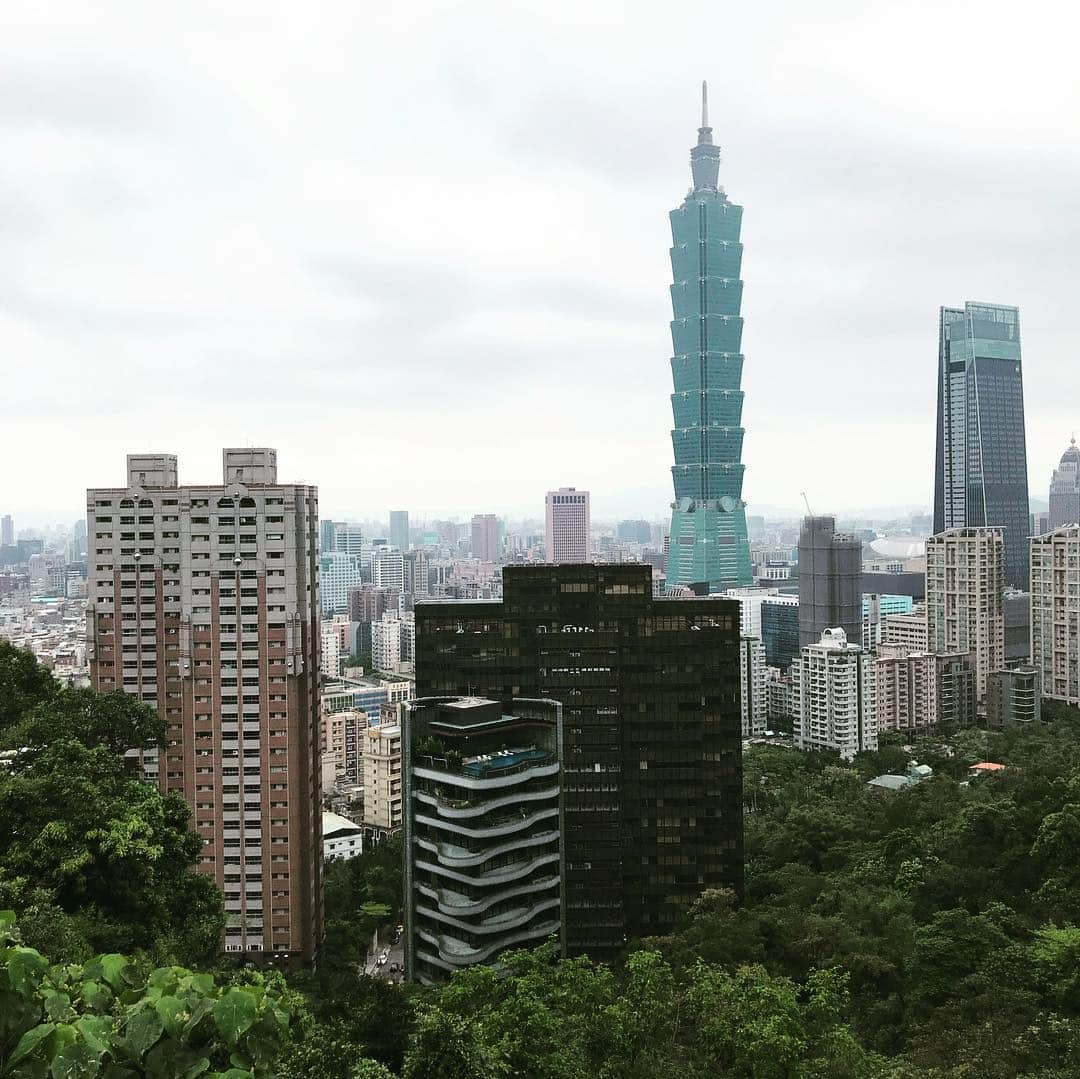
<point>780,633</point>
<point>980,476</point>
<point>651,767</point>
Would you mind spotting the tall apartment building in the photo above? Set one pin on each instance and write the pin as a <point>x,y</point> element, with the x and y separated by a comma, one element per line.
<point>566,534</point>
<point>753,687</point>
<point>965,585</point>
<point>382,776</point>
<point>415,574</point>
<point>341,739</point>
<point>399,529</point>
<point>386,642</point>
<point>907,631</point>
<point>388,568</point>
<point>204,603</point>
<point>980,475</point>
<point>830,581</point>
<point>834,687</point>
<point>366,603</point>
<point>330,655</point>
<point>1055,612</point>
<point>338,572</point>
<point>652,796</point>
<point>485,537</point>
<point>875,609</point>
<point>918,690</point>
<point>1065,490</point>
<point>482,834</point>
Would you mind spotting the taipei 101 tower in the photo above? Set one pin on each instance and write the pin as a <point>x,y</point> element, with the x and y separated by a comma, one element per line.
<point>708,522</point>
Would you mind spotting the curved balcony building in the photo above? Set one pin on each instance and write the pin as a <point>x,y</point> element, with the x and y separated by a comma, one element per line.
<point>482,831</point>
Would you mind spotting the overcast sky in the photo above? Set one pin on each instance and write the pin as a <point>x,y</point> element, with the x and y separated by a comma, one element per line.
<point>422,248</point>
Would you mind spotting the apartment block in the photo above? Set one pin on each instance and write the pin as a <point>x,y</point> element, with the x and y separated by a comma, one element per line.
<point>918,690</point>
<point>834,687</point>
<point>753,687</point>
<point>965,586</point>
<point>204,603</point>
<point>382,776</point>
<point>1055,612</point>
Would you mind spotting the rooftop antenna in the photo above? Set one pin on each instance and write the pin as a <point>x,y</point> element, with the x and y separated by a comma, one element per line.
<point>704,103</point>
<point>809,511</point>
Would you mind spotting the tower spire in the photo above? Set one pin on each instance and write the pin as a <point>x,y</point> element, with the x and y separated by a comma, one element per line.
<point>705,157</point>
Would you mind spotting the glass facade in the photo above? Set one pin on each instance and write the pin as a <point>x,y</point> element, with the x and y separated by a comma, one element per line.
<point>980,476</point>
<point>708,525</point>
<point>780,633</point>
<point>652,772</point>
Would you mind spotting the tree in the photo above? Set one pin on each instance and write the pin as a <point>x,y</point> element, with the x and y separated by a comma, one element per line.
<point>116,721</point>
<point>446,1046</point>
<point>24,683</point>
<point>107,1016</point>
<point>112,854</point>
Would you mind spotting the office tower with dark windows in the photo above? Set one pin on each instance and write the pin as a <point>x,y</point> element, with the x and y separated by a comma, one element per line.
<point>567,525</point>
<point>204,603</point>
<point>652,798</point>
<point>780,633</point>
<point>482,832</point>
<point>1065,490</point>
<point>399,529</point>
<point>980,478</point>
<point>830,582</point>
<point>708,543</point>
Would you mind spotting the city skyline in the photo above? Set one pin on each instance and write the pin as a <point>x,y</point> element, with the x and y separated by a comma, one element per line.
<point>147,238</point>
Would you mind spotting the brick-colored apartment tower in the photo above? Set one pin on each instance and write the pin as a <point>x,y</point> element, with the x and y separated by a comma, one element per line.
<point>203,601</point>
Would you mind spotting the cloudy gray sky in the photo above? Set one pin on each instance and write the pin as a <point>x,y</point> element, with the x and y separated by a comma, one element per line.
<point>421,248</point>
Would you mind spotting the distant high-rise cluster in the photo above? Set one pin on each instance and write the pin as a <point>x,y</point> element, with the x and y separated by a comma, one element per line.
<point>1065,490</point>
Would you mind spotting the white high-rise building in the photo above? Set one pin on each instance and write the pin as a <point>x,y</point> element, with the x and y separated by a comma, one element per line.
<point>567,525</point>
<point>753,687</point>
<point>338,572</point>
<point>388,568</point>
<point>965,586</point>
<point>1055,612</point>
<point>835,690</point>
<point>330,663</point>
<point>386,642</point>
<point>348,538</point>
<point>750,601</point>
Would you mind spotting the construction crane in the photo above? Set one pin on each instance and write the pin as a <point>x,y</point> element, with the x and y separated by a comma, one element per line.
<point>809,511</point>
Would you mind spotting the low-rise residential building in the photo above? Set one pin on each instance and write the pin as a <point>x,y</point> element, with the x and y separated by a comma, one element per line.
<point>342,838</point>
<point>1014,696</point>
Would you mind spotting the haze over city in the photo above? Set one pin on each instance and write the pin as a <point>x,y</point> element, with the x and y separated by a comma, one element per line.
<point>425,247</point>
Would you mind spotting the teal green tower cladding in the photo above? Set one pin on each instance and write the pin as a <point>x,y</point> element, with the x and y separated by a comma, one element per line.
<point>708,522</point>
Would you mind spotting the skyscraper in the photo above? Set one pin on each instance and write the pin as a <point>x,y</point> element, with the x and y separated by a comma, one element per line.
<point>830,581</point>
<point>708,524</point>
<point>652,795</point>
<point>1065,489</point>
<point>399,529</point>
<point>567,525</point>
<point>485,537</point>
<point>965,611</point>
<point>980,476</point>
<point>204,603</point>
<point>7,530</point>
